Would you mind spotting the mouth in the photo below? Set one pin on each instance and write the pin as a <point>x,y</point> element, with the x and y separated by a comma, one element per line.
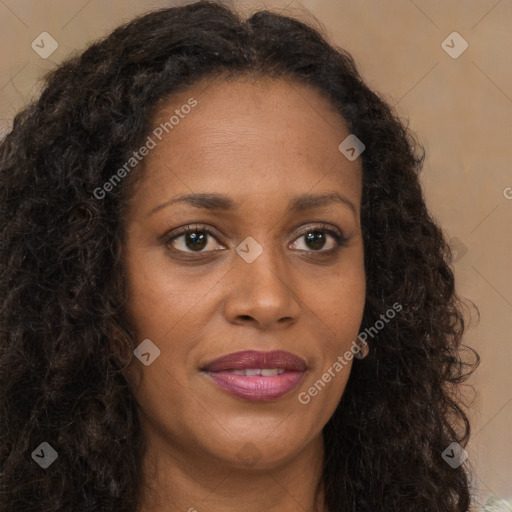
<point>257,376</point>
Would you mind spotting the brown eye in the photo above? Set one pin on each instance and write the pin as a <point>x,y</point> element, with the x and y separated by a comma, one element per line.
<point>316,238</point>
<point>191,239</point>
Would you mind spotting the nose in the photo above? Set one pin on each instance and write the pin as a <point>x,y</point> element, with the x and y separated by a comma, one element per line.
<point>263,292</point>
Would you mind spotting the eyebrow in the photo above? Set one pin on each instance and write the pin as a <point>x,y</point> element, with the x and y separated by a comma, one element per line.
<point>217,202</point>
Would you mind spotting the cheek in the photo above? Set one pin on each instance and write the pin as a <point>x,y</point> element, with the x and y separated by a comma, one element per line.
<point>346,308</point>
<point>343,316</point>
<point>340,302</point>
<point>157,299</point>
<point>339,307</point>
<point>159,310</point>
<point>339,314</point>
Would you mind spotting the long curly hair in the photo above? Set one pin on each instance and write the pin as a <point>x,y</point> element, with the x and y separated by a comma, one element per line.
<point>64,335</point>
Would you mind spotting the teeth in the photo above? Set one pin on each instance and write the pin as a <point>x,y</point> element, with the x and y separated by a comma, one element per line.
<point>269,372</point>
<point>264,372</point>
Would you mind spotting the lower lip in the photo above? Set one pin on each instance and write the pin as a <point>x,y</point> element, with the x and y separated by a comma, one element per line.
<point>256,387</point>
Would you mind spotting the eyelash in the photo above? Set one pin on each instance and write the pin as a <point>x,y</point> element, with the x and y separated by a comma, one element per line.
<point>340,239</point>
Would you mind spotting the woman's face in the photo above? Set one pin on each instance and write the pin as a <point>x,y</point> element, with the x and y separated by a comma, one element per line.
<point>268,278</point>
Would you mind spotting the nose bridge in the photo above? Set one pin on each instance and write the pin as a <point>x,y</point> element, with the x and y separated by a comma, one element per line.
<point>262,288</point>
<point>262,258</point>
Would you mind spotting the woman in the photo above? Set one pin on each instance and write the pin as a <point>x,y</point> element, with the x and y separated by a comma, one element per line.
<point>204,220</point>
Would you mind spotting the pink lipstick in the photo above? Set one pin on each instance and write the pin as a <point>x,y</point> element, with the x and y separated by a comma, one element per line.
<point>258,376</point>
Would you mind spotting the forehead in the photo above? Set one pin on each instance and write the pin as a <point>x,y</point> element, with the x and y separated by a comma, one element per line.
<point>274,101</point>
<point>249,135</point>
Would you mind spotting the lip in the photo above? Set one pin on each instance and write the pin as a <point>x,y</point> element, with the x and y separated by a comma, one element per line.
<point>256,359</point>
<point>257,388</point>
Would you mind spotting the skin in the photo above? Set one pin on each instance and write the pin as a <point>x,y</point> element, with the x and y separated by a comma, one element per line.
<point>261,142</point>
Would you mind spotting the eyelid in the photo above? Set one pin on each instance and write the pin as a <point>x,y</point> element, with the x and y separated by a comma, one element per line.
<point>173,234</point>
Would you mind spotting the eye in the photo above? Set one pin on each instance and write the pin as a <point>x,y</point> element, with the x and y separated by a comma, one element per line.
<point>315,239</point>
<point>195,239</point>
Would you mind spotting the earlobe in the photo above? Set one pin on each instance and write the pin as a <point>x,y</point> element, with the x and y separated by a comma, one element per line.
<point>363,349</point>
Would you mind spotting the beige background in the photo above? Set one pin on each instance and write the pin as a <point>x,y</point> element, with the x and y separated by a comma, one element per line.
<point>461,110</point>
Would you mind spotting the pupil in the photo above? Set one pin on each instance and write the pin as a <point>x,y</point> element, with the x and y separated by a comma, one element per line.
<point>318,244</point>
<point>195,237</point>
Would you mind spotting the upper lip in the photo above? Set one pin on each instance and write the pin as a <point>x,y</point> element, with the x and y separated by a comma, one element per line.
<point>255,359</point>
